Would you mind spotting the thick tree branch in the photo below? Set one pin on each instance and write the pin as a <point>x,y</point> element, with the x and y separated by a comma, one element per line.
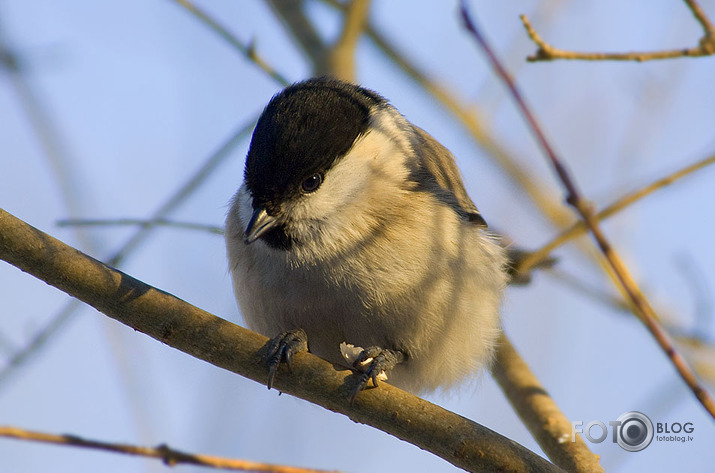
<point>549,426</point>
<point>625,282</point>
<point>168,455</point>
<point>178,324</point>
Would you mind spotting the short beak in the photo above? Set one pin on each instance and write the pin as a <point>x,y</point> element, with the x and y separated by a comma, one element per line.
<point>259,224</point>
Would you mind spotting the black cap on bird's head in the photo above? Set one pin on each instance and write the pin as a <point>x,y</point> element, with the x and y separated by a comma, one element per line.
<point>301,134</point>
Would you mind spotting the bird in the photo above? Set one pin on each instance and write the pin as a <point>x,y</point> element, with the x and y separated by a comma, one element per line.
<point>352,236</point>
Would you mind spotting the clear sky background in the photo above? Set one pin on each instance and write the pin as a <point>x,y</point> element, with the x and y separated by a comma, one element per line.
<point>132,98</point>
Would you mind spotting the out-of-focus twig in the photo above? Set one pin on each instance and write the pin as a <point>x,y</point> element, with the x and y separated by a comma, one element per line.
<point>207,168</point>
<point>642,308</point>
<point>705,47</point>
<point>168,455</point>
<point>18,358</point>
<point>517,171</point>
<point>292,14</point>
<point>342,53</point>
<point>248,50</point>
<point>160,222</point>
<point>579,228</point>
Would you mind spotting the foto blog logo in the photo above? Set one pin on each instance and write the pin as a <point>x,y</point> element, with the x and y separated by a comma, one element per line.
<point>633,431</point>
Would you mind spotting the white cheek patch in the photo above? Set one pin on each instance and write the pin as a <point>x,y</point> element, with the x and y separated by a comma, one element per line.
<point>374,164</point>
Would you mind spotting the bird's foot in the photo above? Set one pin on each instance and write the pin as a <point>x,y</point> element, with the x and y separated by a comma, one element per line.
<point>282,348</point>
<point>373,363</point>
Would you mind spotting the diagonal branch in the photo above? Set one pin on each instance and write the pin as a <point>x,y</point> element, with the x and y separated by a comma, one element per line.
<point>247,50</point>
<point>641,307</point>
<point>168,455</point>
<point>180,325</point>
<point>579,228</point>
<point>705,47</point>
<point>291,13</point>
<point>548,425</point>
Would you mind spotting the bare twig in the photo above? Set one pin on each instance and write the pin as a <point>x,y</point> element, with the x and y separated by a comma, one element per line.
<point>547,424</point>
<point>579,228</point>
<point>475,125</point>
<point>705,47</point>
<point>168,455</point>
<point>142,222</point>
<point>641,306</point>
<point>223,152</point>
<point>181,194</point>
<point>176,323</point>
<point>292,14</point>
<point>248,50</point>
<point>342,54</point>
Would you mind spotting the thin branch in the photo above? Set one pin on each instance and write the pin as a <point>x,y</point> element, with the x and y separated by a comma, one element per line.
<point>705,47</point>
<point>548,425</point>
<point>702,18</point>
<point>642,308</point>
<point>476,126</point>
<point>211,164</point>
<point>292,15</point>
<point>342,54</point>
<point>168,455</point>
<point>579,228</point>
<point>178,324</point>
<point>21,355</point>
<point>142,222</point>
<point>248,50</point>
<point>181,194</point>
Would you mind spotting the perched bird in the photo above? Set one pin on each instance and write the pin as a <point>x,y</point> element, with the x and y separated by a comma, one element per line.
<point>353,226</point>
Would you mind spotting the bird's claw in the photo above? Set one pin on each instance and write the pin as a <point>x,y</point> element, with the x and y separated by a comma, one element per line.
<point>282,348</point>
<point>373,362</point>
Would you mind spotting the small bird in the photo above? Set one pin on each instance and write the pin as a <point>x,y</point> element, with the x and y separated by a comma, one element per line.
<point>352,235</point>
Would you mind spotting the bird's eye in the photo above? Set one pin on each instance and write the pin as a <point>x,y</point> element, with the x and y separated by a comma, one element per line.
<point>312,183</point>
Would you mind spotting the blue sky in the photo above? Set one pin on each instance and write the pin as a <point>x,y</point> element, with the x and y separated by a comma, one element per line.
<point>139,94</point>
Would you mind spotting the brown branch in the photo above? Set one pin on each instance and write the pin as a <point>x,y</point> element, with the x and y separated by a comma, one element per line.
<point>248,50</point>
<point>641,307</point>
<point>579,228</point>
<point>292,15</point>
<point>180,325</point>
<point>165,453</point>
<point>705,47</point>
<point>548,425</point>
<point>39,340</point>
<point>475,125</point>
<point>342,55</point>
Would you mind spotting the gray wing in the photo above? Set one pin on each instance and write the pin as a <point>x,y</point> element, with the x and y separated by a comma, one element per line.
<point>438,173</point>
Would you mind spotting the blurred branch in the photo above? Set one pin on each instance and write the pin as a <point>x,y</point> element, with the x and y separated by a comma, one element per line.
<point>579,228</point>
<point>292,15</point>
<point>342,54</point>
<point>548,425</point>
<point>642,308</point>
<point>181,194</point>
<point>248,50</point>
<point>474,124</point>
<point>168,455</point>
<point>705,47</point>
<point>134,221</point>
<point>178,324</point>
